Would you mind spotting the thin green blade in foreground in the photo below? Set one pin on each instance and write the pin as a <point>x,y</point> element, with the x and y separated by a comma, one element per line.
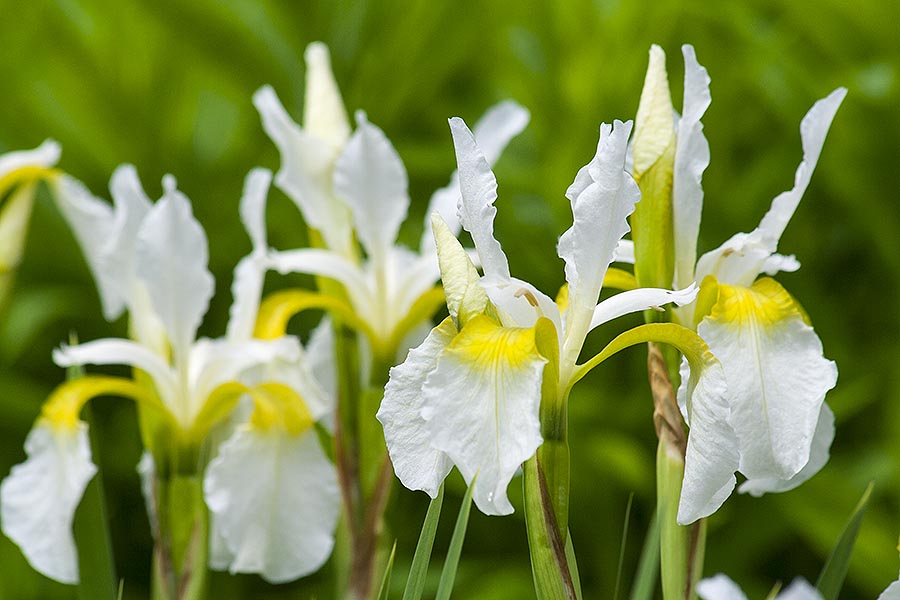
<point>448,574</point>
<point>648,567</point>
<point>831,579</point>
<point>419,569</point>
<point>386,579</point>
<point>622,546</point>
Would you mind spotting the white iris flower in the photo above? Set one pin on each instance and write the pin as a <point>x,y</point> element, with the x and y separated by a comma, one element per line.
<point>721,587</point>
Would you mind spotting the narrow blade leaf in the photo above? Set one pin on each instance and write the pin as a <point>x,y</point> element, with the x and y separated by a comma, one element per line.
<point>448,574</point>
<point>831,579</point>
<point>419,569</point>
<point>385,587</point>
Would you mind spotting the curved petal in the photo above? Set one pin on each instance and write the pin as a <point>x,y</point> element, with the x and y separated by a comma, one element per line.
<point>720,587</point>
<point>624,252</point>
<point>777,376</point>
<point>325,263</point>
<point>520,304</point>
<point>481,406</point>
<point>39,498</point>
<point>691,160</point>
<point>779,262</point>
<point>600,219</point>
<point>640,299</point>
<point>246,293</point>
<point>417,463</point>
<point>305,174</point>
<point>323,109</point>
<point>253,206</point>
<point>46,155</point>
<point>171,259</point>
<point>370,177</point>
<point>813,129</point>
<point>739,260</point>
<point>818,457</point>
<point>478,191</point>
<point>493,131</point>
<point>275,502</point>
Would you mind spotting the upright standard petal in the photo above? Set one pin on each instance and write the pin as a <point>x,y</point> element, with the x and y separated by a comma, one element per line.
<point>691,160</point>
<point>777,375</point>
<point>492,428</point>
<point>39,498</point>
<point>465,298</point>
<point>370,177</point>
<point>493,131</point>
<point>171,259</point>
<point>323,109</point>
<point>813,129</point>
<point>655,116</point>
<point>478,190</point>
<point>417,463</point>
<point>275,502</point>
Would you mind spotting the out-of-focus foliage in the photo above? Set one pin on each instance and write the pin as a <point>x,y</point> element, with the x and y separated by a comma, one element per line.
<point>167,85</point>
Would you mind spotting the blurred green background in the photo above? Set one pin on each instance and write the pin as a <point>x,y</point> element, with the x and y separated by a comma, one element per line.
<point>166,85</point>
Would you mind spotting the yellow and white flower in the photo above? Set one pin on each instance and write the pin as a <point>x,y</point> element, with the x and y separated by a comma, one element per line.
<point>777,428</point>
<point>471,393</point>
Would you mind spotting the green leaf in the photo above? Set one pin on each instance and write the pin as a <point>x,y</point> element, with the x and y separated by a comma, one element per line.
<point>622,546</point>
<point>648,566</point>
<point>386,578</point>
<point>831,579</point>
<point>416,581</point>
<point>448,574</point>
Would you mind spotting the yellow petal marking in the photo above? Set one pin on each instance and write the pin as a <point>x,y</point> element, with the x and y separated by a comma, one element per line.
<point>66,401</point>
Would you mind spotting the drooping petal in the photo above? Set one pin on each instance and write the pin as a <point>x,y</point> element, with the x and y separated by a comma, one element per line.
<point>478,191</point>
<point>323,110</point>
<point>600,219</point>
<point>171,260</point>
<point>813,129</point>
<point>777,375</point>
<point>39,497</point>
<point>481,406</point>
<point>691,160</point>
<point>46,155</point>
<point>493,131</point>
<point>370,177</point>
<point>275,502</point>
<point>417,463</point>
<point>720,587</point>
<point>818,457</point>
<point>640,299</point>
<point>306,169</point>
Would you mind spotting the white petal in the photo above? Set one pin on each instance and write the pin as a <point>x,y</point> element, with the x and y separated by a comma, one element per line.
<point>417,464</point>
<point>478,191</point>
<point>325,263</point>
<point>891,593</point>
<point>370,177</point>
<point>520,304</point>
<point>112,351</point>
<point>777,376</point>
<point>691,159</point>
<point>481,407</point>
<point>800,589</point>
<point>712,454</point>
<point>323,110</point>
<point>246,293</point>
<point>493,131</point>
<point>305,174</point>
<point>624,252</point>
<point>600,219</point>
<point>738,261</point>
<point>146,470</point>
<point>719,587</point>
<point>411,276</point>
<point>654,128</point>
<point>46,155</point>
<point>813,129</point>
<point>818,457</point>
<point>171,259</point>
<point>640,299</point>
<point>253,206</point>
<point>275,502</point>
<point>779,262</point>
<point>39,498</point>
<point>320,356</point>
<point>92,222</point>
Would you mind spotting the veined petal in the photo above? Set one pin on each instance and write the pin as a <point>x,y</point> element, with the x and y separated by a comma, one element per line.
<point>306,170</point>
<point>92,222</point>
<point>39,498</point>
<point>171,259</point>
<point>818,457</point>
<point>655,126</point>
<point>600,219</point>
<point>465,298</point>
<point>813,129</point>
<point>691,160</point>
<point>370,177</point>
<point>777,376</point>
<point>493,131</point>
<point>323,109</point>
<point>417,463</point>
<point>720,587</point>
<point>478,191</point>
<point>640,299</point>
<point>46,155</point>
<point>275,501</point>
<point>325,263</point>
<point>481,406</point>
